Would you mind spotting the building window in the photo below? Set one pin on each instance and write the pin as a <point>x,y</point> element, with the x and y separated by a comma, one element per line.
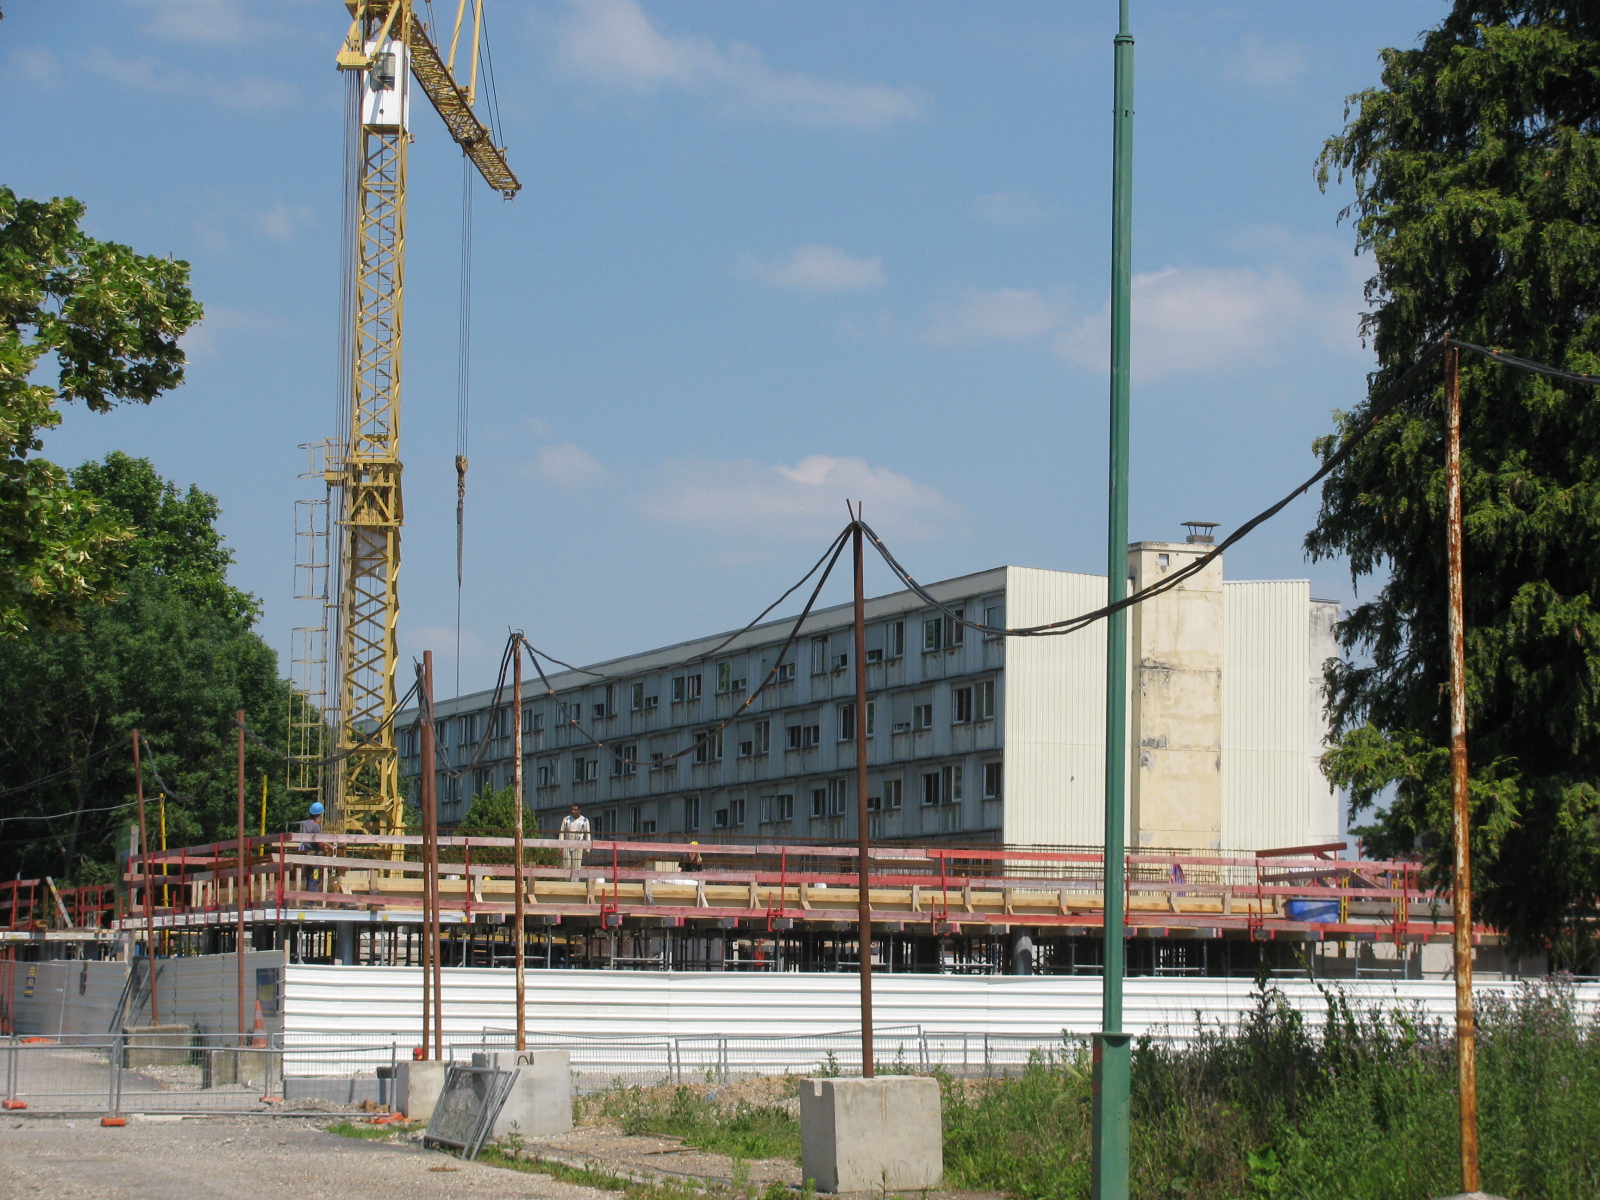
<point>872,717</point>
<point>691,813</point>
<point>841,661</point>
<point>708,746</point>
<point>933,634</point>
<point>961,705</point>
<point>875,655</point>
<point>719,818</point>
<point>810,736</point>
<point>838,796</point>
<point>819,655</point>
<point>952,783</point>
<point>991,780</point>
<point>408,743</point>
<point>651,703</point>
<point>819,802</point>
<point>599,711</point>
<point>547,775</point>
<point>584,768</point>
<point>763,737</point>
<point>930,788</point>
<point>469,730</point>
<point>746,749</point>
<point>874,804</point>
<point>791,735</point>
<point>786,672</point>
<point>636,697</point>
<point>897,639</point>
<point>485,782</point>
<point>685,688</point>
<point>785,807</point>
<point>679,692</point>
<point>994,616</point>
<point>893,794</point>
<point>626,760</point>
<point>958,631</point>
<point>736,812</point>
<point>922,716</point>
<point>983,700</point>
<point>658,760</point>
<point>847,722</point>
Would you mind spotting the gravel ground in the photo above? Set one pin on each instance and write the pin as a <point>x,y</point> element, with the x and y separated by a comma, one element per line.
<point>241,1158</point>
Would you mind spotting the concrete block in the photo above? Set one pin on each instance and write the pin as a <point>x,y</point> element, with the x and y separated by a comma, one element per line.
<point>155,1046</point>
<point>239,1068</point>
<point>416,1088</point>
<point>872,1135</point>
<point>540,1103</point>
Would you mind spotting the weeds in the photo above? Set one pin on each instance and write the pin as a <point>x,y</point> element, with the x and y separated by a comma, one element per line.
<point>744,1131</point>
<point>371,1132</point>
<point>1362,1109</point>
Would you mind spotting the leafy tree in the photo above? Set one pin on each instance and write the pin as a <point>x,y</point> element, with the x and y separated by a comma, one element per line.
<point>494,814</point>
<point>111,320</point>
<point>1476,169</point>
<point>174,658</point>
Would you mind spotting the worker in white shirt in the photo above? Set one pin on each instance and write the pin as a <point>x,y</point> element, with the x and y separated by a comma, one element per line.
<point>574,828</point>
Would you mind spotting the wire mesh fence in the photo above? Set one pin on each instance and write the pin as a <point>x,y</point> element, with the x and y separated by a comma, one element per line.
<point>177,1071</point>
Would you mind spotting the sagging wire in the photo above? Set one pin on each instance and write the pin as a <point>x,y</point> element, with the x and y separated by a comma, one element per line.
<point>706,735</point>
<point>336,757</point>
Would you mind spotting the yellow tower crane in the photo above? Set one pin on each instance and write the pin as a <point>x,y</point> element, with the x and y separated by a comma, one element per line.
<point>387,45</point>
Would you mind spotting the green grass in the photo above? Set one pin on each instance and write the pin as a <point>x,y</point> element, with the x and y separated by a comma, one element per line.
<point>742,1131</point>
<point>1361,1110</point>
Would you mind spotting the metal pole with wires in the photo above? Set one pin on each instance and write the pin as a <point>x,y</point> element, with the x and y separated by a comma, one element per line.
<point>1461,877</point>
<point>519,910</point>
<point>144,884</point>
<point>863,825</point>
<point>241,879</point>
<point>1112,1065</point>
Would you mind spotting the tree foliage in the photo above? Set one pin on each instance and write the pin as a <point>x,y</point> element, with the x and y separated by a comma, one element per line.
<point>110,319</point>
<point>494,814</point>
<point>174,658</point>
<point>1476,169</point>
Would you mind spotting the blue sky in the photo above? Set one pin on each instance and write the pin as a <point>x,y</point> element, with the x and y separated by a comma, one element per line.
<point>768,255</point>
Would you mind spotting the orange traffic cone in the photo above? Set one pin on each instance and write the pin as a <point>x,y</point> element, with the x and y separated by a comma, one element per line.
<point>258,1031</point>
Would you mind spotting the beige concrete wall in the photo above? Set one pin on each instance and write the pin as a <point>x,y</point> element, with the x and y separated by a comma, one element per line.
<point>1177,642</point>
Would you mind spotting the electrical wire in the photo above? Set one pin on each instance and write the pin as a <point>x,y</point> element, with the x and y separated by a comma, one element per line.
<point>80,812</point>
<point>64,772</point>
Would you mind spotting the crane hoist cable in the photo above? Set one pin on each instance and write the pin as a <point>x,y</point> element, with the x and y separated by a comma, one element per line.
<point>463,393</point>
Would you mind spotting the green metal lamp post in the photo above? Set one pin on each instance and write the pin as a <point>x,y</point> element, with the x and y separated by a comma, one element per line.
<point>1112,1056</point>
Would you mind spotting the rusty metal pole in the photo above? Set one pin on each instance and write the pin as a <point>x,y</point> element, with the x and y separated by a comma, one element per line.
<point>863,893</point>
<point>518,914</point>
<point>427,780</point>
<point>144,884</point>
<point>239,887</point>
<point>1461,880</point>
<point>430,817</point>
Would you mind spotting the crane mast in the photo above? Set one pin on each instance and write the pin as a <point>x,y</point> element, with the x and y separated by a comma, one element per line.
<point>388,45</point>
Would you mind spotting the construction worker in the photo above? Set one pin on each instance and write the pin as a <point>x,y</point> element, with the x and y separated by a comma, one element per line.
<point>309,829</point>
<point>692,861</point>
<point>574,828</point>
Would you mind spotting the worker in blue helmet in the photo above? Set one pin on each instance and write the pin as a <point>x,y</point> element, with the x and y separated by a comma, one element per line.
<point>309,829</point>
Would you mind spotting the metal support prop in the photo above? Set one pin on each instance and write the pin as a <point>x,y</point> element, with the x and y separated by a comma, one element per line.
<point>429,780</point>
<point>519,912</point>
<point>1109,1153</point>
<point>144,884</point>
<point>1461,879</point>
<point>240,881</point>
<point>430,818</point>
<point>863,828</point>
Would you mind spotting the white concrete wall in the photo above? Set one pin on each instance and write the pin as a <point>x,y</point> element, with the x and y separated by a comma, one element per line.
<point>1266,714</point>
<point>1054,712</point>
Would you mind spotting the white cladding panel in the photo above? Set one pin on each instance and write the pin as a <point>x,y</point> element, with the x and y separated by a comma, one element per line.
<point>1054,712</point>
<point>386,1002</point>
<point>1266,665</point>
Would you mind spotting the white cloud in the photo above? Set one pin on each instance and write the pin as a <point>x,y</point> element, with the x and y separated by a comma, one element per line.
<point>250,93</point>
<point>223,218</point>
<point>614,43</point>
<point>802,501</point>
<point>1012,208</point>
<point>1265,64</point>
<point>1204,318</point>
<point>214,22</point>
<point>815,268</point>
<point>1004,314</point>
<point>567,465</point>
<point>37,65</point>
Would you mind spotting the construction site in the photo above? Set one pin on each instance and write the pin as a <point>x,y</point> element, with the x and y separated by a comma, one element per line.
<point>905,846</point>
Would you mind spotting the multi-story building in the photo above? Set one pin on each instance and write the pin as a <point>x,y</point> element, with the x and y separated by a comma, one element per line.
<point>973,737</point>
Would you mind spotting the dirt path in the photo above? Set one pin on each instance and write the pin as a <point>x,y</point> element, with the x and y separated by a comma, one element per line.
<point>241,1158</point>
